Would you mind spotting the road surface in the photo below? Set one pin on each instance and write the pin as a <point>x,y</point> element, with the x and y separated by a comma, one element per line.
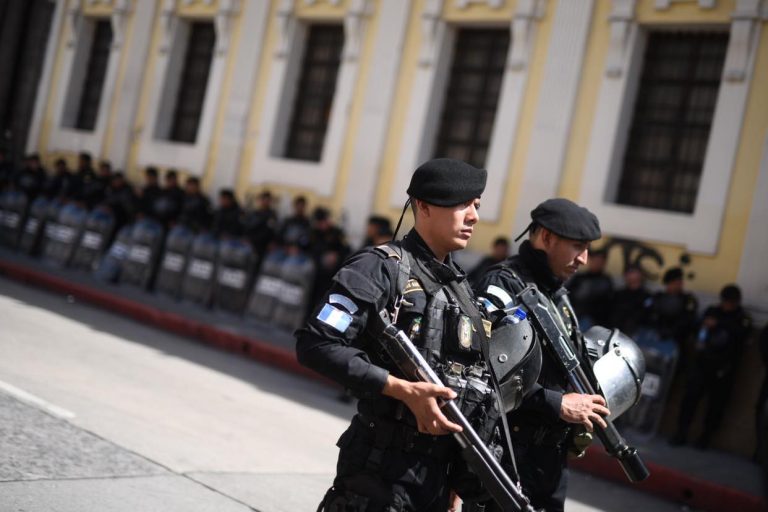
<point>101,413</point>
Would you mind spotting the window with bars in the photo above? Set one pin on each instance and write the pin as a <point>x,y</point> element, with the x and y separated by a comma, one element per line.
<point>193,83</point>
<point>472,95</point>
<point>314,96</point>
<point>96,70</point>
<point>672,118</point>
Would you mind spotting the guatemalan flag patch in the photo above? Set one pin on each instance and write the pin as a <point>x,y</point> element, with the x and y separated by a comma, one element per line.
<point>335,318</point>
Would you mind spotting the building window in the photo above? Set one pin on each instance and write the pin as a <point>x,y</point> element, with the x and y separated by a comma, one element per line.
<point>93,85</point>
<point>193,83</point>
<point>314,96</point>
<point>672,118</point>
<point>472,95</point>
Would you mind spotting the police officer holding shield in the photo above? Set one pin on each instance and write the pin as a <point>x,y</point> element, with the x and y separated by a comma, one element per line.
<point>397,454</point>
<point>551,420</point>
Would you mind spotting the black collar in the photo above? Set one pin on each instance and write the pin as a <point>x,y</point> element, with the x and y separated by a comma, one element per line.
<point>536,260</point>
<point>442,272</point>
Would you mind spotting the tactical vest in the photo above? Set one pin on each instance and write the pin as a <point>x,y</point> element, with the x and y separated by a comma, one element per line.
<point>448,332</point>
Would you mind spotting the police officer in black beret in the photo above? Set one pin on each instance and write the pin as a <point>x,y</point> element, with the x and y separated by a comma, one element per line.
<point>543,428</point>
<point>397,454</point>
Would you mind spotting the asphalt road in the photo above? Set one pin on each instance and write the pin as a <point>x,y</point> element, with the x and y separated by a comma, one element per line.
<point>101,413</point>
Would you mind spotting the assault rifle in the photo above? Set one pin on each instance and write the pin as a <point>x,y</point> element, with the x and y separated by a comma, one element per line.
<point>496,481</point>
<point>556,340</point>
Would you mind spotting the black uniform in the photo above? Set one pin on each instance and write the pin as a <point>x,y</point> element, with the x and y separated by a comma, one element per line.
<point>761,406</point>
<point>628,310</point>
<point>195,211</point>
<point>168,204</point>
<point>673,315</point>
<point>259,226</point>
<point>713,369</point>
<point>539,436</point>
<point>591,294</point>
<point>384,463</point>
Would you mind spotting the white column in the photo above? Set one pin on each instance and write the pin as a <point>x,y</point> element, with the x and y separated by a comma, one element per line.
<point>236,109</point>
<point>557,99</point>
<point>426,98</point>
<point>44,86</point>
<point>130,87</point>
<point>374,122</point>
<point>753,277</point>
<point>505,125</point>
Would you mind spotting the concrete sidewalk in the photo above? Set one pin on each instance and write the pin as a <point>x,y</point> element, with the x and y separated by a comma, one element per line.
<point>706,480</point>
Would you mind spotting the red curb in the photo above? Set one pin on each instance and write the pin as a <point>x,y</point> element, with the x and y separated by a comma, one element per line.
<point>258,350</point>
<point>671,484</point>
<point>664,482</point>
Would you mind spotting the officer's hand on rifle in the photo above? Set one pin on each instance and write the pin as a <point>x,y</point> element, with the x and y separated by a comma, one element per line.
<point>421,398</point>
<point>584,409</point>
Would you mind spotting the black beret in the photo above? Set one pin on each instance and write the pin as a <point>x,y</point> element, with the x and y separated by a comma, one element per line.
<point>567,219</point>
<point>447,182</point>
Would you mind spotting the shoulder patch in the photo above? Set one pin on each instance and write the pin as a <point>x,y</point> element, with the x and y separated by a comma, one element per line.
<point>412,286</point>
<point>346,302</point>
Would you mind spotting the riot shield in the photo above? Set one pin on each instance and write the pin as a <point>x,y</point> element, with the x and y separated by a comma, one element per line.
<point>62,236</point>
<point>269,284</point>
<point>141,261</point>
<point>234,275</point>
<point>197,285</point>
<point>661,357</point>
<point>96,235</point>
<point>13,205</point>
<point>298,274</point>
<point>173,264</point>
<point>112,262</point>
<point>32,234</point>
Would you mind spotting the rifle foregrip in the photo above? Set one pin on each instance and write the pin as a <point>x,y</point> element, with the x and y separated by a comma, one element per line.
<point>633,465</point>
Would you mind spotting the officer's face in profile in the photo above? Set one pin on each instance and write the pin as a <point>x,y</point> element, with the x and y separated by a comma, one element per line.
<point>447,228</point>
<point>565,256</point>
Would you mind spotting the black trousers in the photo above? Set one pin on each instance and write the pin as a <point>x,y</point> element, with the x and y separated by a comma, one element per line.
<point>704,384</point>
<point>393,478</point>
<point>543,474</point>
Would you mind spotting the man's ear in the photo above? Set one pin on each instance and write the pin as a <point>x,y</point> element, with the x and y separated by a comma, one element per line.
<point>546,237</point>
<point>422,206</point>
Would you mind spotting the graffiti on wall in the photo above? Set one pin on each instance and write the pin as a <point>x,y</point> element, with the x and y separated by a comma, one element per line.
<point>638,254</point>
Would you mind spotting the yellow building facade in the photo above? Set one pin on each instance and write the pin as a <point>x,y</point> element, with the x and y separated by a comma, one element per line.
<point>563,120</point>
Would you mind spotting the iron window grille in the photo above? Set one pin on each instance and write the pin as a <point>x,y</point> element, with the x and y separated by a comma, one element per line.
<point>672,119</point>
<point>93,85</point>
<point>472,95</point>
<point>193,83</point>
<point>314,95</point>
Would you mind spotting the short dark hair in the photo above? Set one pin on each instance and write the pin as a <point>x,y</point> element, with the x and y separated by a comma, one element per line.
<point>673,274</point>
<point>300,199</point>
<point>228,193</point>
<point>150,171</point>
<point>265,194</point>
<point>171,173</point>
<point>321,213</point>
<point>84,155</point>
<point>192,180</point>
<point>501,240</point>
<point>730,293</point>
